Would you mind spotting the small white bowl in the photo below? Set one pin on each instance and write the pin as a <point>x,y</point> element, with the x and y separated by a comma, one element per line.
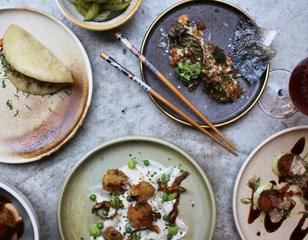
<point>70,12</point>
<point>25,209</point>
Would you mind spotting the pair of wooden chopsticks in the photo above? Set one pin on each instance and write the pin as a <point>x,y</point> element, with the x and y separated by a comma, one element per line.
<point>156,95</point>
<point>160,76</point>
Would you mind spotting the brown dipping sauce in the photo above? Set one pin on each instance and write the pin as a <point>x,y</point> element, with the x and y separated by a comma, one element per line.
<point>297,234</point>
<point>19,226</point>
<point>253,213</point>
<point>271,226</point>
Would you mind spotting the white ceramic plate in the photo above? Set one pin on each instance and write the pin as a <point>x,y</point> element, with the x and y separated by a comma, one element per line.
<point>259,163</point>
<point>36,126</point>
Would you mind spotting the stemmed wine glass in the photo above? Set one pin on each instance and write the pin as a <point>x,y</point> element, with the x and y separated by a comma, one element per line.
<point>286,92</point>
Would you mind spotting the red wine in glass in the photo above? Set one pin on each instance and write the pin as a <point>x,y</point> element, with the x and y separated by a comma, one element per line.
<point>298,86</point>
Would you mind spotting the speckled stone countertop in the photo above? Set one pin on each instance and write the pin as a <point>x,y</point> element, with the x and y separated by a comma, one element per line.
<point>112,115</point>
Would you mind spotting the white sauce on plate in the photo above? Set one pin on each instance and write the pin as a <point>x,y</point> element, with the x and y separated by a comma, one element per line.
<point>150,174</point>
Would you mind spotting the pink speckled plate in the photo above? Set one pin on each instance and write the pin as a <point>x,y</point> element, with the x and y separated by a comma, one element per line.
<point>259,163</point>
<point>32,127</point>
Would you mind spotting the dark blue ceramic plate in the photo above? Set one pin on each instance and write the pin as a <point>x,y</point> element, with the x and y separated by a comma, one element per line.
<point>221,20</point>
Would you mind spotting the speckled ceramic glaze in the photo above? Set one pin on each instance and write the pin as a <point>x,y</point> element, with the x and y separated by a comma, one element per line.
<point>74,209</point>
<point>69,10</point>
<point>221,20</point>
<point>24,208</point>
<point>36,126</point>
<point>259,163</point>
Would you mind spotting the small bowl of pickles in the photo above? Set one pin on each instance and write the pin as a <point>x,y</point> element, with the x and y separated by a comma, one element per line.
<point>99,15</point>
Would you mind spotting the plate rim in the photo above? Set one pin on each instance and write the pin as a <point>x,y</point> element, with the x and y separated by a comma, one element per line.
<point>172,116</point>
<point>26,204</point>
<point>123,139</point>
<point>82,117</point>
<point>247,161</point>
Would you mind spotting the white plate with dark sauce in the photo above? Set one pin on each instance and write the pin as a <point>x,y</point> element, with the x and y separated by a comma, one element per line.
<point>259,163</point>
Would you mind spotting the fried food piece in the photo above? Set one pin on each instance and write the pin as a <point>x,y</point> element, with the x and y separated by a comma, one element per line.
<point>110,233</point>
<point>143,191</point>
<point>183,20</point>
<point>114,181</point>
<point>4,230</point>
<point>9,217</point>
<point>141,216</point>
<point>267,198</point>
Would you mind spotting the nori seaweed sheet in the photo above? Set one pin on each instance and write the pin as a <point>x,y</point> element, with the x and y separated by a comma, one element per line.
<point>251,50</point>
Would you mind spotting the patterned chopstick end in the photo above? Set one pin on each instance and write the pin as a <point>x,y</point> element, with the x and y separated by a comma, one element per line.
<point>104,56</point>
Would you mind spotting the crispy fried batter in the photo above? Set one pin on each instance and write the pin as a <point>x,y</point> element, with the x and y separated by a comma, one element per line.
<point>4,229</point>
<point>143,191</point>
<point>110,233</point>
<point>7,217</point>
<point>114,181</point>
<point>141,216</point>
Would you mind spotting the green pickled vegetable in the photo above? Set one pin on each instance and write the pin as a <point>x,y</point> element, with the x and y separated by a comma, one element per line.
<point>81,10</point>
<point>98,1</point>
<point>116,7</point>
<point>100,10</point>
<point>91,14</point>
<point>107,15</point>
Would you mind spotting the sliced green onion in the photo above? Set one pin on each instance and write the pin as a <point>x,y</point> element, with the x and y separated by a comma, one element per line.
<point>173,230</point>
<point>164,178</point>
<point>94,231</point>
<point>172,196</point>
<point>92,197</point>
<point>132,164</point>
<point>105,212</point>
<point>100,225</point>
<point>164,197</point>
<point>128,230</point>
<point>129,198</point>
<point>146,162</point>
<point>245,200</point>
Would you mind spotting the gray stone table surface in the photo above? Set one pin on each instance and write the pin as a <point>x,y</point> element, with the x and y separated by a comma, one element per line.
<point>42,181</point>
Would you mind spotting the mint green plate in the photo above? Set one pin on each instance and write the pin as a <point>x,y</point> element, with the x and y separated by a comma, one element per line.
<point>74,209</point>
